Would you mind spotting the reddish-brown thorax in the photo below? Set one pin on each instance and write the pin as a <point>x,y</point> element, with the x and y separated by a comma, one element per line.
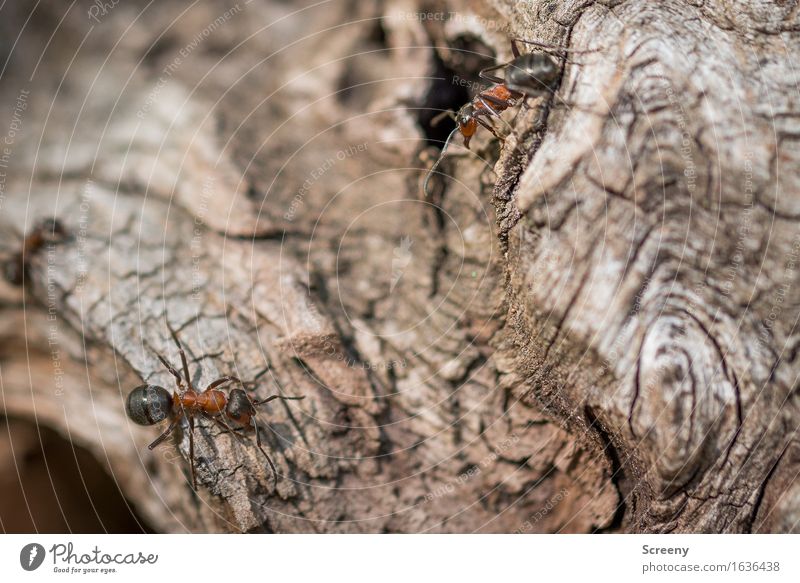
<point>210,401</point>
<point>500,92</point>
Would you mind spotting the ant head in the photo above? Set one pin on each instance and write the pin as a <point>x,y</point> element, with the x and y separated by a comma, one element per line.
<point>240,408</point>
<point>13,271</point>
<point>467,123</point>
<point>148,404</point>
<point>52,230</point>
<point>465,115</point>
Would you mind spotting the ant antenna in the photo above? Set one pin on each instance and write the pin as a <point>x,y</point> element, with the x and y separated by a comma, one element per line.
<point>441,115</point>
<point>438,161</point>
<point>562,102</point>
<point>554,48</point>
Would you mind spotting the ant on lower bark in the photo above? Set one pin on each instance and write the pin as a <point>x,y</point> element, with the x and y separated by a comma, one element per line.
<point>150,404</point>
<point>526,75</point>
<point>46,232</point>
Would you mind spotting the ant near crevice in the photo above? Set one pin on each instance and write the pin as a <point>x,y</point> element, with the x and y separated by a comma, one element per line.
<point>527,75</point>
<point>236,411</point>
<point>16,267</point>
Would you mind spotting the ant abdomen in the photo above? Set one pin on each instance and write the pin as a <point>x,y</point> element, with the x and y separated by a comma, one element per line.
<point>535,72</point>
<point>148,404</point>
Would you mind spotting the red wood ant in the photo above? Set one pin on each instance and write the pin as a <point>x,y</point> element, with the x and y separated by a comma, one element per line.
<point>150,404</point>
<point>529,75</point>
<point>46,232</point>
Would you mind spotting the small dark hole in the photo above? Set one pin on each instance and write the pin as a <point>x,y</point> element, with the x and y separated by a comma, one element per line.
<point>469,56</point>
<point>444,93</point>
<point>377,34</point>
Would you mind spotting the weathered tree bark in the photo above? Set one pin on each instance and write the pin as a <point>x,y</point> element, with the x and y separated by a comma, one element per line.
<point>593,327</point>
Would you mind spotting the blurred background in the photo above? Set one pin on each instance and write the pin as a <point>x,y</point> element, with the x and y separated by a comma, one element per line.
<point>49,485</point>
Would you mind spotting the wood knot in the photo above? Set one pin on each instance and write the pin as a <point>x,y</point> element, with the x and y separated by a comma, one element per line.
<point>684,412</point>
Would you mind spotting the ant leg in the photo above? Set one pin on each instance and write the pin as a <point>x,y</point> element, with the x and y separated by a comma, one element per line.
<point>222,380</point>
<point>553,48</point>
<point>182,353</point>
<point>281,397</point>
<point>533,94</point>
<point>484,74</point>
<point>556,50</point>
<point>488,100</point>
<point>171,369</point>
<point>164,435</point>
<point>559,101</point>
<point>514,48</point>
<point>489,107</point>
<point>504,103</point>
<point>269,459</point>
<point>191,451</point>
<point>168,366</point>
<point>224,426</point>
<point>489,127</point>
<point>440,116</point>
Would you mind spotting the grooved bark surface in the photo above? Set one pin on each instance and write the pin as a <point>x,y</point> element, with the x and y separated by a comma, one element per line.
<point>593,327</point>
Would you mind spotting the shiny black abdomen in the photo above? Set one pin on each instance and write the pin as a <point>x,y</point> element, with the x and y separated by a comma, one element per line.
<point>148,404</point>
<point>532,73</point>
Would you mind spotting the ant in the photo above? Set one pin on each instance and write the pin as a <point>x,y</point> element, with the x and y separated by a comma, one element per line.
<point>150,404</point>
<point>46,232</point>
<point>529,75</point>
